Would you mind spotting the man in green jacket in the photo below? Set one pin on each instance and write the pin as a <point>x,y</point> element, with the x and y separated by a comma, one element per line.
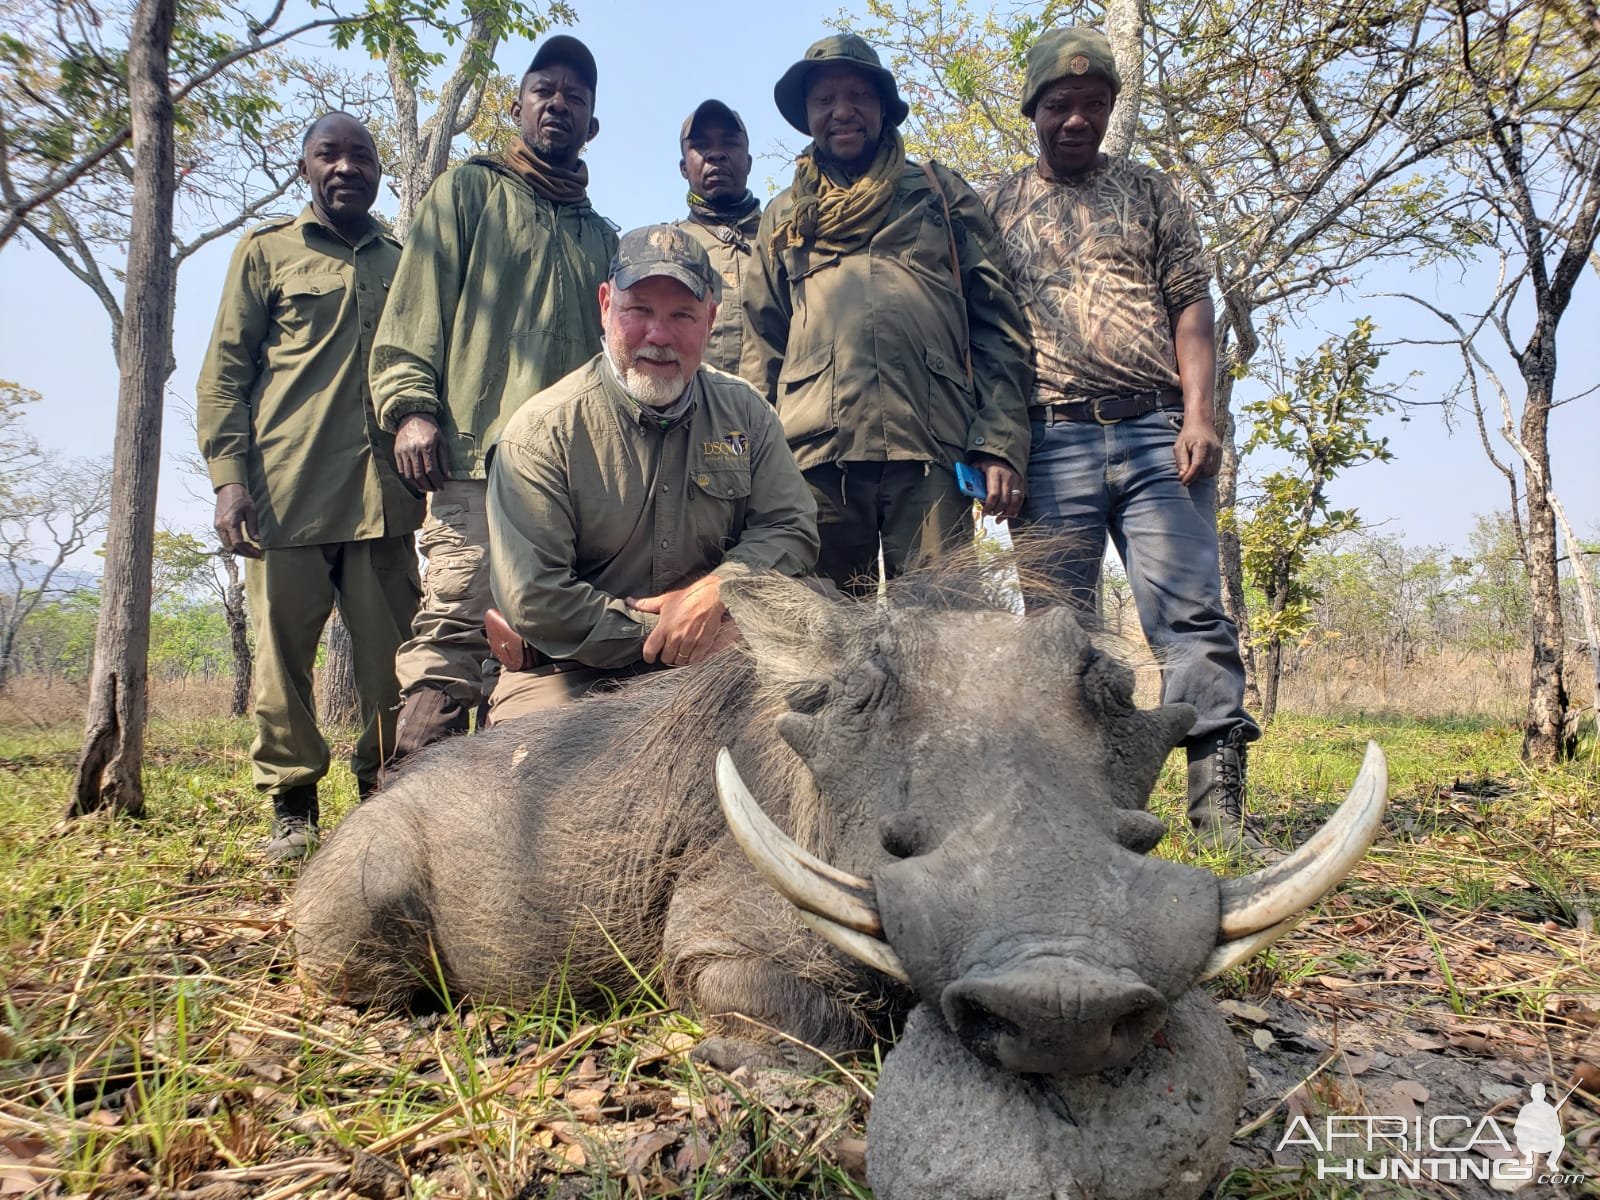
<point>881,323</point>
<point>306,487</point>
<point>493,301</point>
<point>620,497</point>
<point>723,216</point>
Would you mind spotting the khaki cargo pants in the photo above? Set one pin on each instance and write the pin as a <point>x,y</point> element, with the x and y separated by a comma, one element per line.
<point>913,509</point>
<point>291,592</point>
<point>448,649</point>
<point>519,693</point>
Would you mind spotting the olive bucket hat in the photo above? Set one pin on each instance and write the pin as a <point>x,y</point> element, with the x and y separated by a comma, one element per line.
<point>1066,53</point>
<point>842,50</point>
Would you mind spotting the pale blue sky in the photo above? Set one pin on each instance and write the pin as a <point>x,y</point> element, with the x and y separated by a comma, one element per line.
<point>657,61</point>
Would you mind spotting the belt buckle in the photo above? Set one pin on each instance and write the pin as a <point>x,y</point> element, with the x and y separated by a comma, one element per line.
<point>1094,408</point>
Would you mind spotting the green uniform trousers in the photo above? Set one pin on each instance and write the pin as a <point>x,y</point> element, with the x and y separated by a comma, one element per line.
<point>914,509</point>
<point>291,592</point>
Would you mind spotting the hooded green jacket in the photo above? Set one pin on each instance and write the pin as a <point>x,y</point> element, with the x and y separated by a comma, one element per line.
<point>864,354</point>
<point>495,298</point>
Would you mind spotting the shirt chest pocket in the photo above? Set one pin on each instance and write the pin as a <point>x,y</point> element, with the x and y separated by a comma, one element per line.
<point>728,483</point>
<point>309,306</point>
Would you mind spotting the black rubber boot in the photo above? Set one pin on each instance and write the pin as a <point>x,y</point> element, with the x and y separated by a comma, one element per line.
<point>294,823</point>
<point>427,715</point>
<point>1217,779</point>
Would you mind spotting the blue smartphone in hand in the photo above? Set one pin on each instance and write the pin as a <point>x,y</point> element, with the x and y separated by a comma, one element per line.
<point>971,481</point>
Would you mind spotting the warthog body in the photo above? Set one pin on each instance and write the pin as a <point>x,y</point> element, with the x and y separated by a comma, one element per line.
<point>985,777</point>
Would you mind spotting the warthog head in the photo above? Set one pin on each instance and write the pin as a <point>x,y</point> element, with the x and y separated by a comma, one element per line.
<point>987,775</point>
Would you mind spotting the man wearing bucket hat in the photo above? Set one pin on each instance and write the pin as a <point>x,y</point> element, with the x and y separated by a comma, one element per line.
<point>1109,267</point>
<point>880,322</point>
<point>714,150</point>
<point>620,496</point>
<point>491,303</point>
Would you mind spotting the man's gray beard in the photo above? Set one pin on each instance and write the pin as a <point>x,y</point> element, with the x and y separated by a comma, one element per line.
<point>648,390</point>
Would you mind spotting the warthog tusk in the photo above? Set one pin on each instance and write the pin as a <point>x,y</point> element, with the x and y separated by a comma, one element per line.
<point>1268,901</point>
<point>875,952</point>
<point>1231,954</point>
<point>842,908</point>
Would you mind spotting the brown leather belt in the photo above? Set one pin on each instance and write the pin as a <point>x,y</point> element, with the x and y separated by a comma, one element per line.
<point>1107,410</point>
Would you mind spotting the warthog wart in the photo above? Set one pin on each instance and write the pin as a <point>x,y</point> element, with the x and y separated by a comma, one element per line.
<point>979,850</point>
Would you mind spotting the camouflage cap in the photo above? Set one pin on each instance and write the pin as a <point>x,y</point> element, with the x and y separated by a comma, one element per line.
<point>664,250</point>
<point>837,50</point>
<point>1066,53</point>
<point>711,110</point>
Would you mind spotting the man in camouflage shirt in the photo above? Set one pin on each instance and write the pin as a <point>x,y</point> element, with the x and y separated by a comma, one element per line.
<point>619,497</point>
<point>1108,266</point>
<point>723,215</point>
<point>306,487</point>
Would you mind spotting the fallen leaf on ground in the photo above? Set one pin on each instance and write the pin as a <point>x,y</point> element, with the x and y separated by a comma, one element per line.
<point>642,1151</point>
<point>1422,1041</point>
<point>1253,1013</point>
<point>1402,1099</point>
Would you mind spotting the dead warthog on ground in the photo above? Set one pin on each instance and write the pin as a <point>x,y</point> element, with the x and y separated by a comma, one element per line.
<point>951,795</point>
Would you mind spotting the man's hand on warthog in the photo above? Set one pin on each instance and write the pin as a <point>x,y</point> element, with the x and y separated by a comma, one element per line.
<point>694,625</point>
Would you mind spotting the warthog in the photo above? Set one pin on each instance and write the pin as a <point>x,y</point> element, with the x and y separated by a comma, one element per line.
<point>951,795</point>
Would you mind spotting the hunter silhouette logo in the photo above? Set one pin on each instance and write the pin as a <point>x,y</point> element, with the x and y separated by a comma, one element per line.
<point>1538,1128</point>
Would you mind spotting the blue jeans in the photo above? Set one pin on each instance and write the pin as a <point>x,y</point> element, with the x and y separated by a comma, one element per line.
<point>1087,480</point>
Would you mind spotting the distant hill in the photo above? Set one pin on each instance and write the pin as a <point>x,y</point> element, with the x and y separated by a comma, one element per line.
<point>66,580</point>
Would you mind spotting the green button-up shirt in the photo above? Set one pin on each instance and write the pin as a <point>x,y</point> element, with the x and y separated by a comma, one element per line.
<point>591,501</point>
<point>730,248</point>
<point>282,403</point>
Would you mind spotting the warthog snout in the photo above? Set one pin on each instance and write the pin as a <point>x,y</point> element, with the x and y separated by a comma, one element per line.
<point>1052,1015</point>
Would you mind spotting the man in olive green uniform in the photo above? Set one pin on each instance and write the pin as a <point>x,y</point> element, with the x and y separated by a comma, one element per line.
<point>494,300</point>
<point>723,216</point>
<point>306,487</point>
<point>619,497</point>
<point>880,322</point>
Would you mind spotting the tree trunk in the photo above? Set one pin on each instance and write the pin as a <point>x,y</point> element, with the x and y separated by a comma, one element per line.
<point>1545,737</point>
<point>233,611</point>
<point>1230,558</point>
<point>338,706</point>
<point>1124,29</point>
<point>109,767</point>
<point>1279,599</point>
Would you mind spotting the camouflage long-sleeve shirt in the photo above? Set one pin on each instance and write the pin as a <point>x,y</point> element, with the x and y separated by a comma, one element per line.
<point>1102,267</point>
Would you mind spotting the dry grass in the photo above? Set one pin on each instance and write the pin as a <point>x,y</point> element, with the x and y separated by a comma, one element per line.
<point>156,1043</point>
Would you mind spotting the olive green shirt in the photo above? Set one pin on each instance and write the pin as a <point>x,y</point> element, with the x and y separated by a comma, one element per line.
<point>730,248</point>
<point>864,354</point>
<point>591,502</point>
<point>282,405</point>
<point>495,299</point>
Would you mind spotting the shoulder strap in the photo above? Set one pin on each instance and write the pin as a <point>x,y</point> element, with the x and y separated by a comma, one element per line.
<point>955,259</point>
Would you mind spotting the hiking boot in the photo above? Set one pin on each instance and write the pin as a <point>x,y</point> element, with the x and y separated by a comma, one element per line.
<point>1216,802</point>
<point>294,824</point>
<point>427,715</point>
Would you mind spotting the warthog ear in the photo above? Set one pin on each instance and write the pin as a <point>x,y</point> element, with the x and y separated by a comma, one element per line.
<point>794,630</point>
